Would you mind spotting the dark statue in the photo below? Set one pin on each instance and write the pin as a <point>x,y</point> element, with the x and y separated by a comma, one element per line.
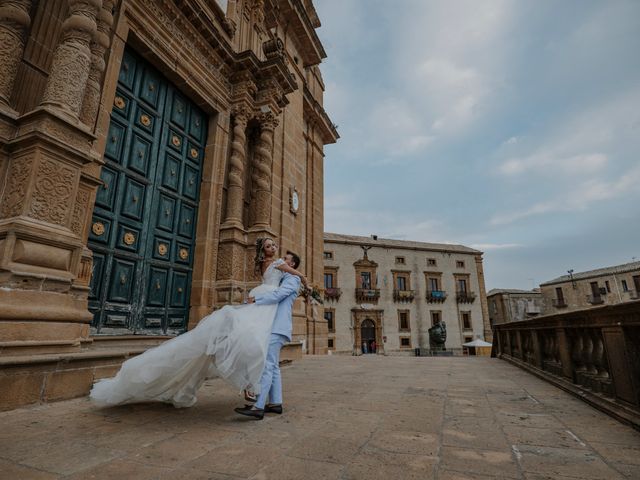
<point>437,337</point>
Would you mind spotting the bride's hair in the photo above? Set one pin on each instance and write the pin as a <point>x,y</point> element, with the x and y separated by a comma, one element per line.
<point>259,258</point>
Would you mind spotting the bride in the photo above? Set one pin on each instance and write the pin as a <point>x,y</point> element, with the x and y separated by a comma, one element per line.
<point>231,343</point>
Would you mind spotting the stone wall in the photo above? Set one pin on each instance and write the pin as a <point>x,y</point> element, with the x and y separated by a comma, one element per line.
<point>252,69</point>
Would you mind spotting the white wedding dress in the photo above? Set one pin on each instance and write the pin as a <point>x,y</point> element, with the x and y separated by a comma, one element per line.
<point>231,343</point>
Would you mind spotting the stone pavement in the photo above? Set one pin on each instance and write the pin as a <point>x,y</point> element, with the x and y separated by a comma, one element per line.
<point>345,418</point>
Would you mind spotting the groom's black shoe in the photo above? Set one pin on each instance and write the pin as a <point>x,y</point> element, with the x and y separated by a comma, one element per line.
<point>273,409</point>
<point>250,412</point>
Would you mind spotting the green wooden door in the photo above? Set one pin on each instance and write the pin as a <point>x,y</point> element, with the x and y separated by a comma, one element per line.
<point>144,220</point>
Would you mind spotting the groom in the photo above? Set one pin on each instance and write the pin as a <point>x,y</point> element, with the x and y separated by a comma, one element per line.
<point>270,382</point>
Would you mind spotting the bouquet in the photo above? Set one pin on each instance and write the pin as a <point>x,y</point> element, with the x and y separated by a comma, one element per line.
<point>311,294</point>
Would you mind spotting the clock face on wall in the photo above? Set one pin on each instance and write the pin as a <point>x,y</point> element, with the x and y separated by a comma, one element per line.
<point>295,201</point>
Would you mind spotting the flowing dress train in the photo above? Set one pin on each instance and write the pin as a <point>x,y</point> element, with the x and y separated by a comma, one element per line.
<point>231,343</point>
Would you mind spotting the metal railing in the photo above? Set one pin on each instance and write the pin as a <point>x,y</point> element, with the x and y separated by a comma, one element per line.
<point>332,293</point>
<point>364,294</point>
<point>404,295</point>
<point>436,296</point>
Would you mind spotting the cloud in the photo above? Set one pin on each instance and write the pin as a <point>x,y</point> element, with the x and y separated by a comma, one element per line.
<point>579,198</point>
<point>550,164</point>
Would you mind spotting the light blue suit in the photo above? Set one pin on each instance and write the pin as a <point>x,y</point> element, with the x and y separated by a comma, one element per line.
<point>284,296</point>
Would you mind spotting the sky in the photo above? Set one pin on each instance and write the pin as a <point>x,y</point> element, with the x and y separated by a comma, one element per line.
<point>510,126</point>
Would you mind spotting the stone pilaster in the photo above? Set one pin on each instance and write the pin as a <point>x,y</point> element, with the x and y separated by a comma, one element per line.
<point>72,59</point>
<point>235,188</point>
<point>14,22</point>
<point>261,174</point>
<point>99,45</point>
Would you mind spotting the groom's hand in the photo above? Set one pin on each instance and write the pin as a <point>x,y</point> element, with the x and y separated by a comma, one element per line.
<point>251,300</point>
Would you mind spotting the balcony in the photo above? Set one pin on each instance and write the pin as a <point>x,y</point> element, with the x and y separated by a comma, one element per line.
<point>591,353</point>
<point>332,293</point>
<point>533,310</point>
<point>465,297</point>
<point>559,303</point>
<point>436,296</point>
<point>404,295</point>
<point>367,294</point>
<point>595,299</point>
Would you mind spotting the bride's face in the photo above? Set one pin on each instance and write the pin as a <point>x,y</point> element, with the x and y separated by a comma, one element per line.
<point>270,248</point>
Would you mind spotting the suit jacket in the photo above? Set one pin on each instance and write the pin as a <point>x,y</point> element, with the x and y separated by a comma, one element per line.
<point>284,296</point>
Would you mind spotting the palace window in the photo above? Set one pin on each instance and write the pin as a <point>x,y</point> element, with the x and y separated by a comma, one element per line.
<point>365,280</point>
<point>625,287</point>
<point>405,342</point>
<point>436,317</point>
<point>607,286</point>
<point>403,320</point>
<point>328,280</point>
<point>462,285</point>
<point>466,320</point>
<point>431,262</point>
<point>328,255</point>
<point>400,260</point>
<point>329,317</point>
<point>330,343</point>
<point>401,283</point>
<point>459,264</point>
<point>434,284</point>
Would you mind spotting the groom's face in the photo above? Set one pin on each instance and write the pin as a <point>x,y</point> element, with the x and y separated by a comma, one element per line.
<point>288,259</point>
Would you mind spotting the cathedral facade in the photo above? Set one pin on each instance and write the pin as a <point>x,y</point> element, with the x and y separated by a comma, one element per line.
<point>144,147</point>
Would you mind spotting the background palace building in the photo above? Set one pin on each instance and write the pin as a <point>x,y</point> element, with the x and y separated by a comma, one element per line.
<point>144,146</point>
<point>383,295</point>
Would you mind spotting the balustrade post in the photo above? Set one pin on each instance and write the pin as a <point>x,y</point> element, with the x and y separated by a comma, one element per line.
<point>626,385</point>
<point>565,353</point>
<point>537,352</point>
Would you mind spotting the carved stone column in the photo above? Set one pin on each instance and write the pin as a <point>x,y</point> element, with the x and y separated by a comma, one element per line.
<point>72,59</point>
<point>14,22</point>
<point>236,170</point>
<point>261,174</point>
<point>99,46</point>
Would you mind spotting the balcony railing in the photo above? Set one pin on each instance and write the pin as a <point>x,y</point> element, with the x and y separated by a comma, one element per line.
<point>465,297</point>
<point>332,293</point>
<point>436,296</point>
<point>595,299</point>
<point>592,353</point>
<point>559,302</point>
<point>404,295</point>
<point>367,294</point>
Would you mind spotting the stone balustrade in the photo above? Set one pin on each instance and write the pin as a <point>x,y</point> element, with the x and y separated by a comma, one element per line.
<point>593,353</point>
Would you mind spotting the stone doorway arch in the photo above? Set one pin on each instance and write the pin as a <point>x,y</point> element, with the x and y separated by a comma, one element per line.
<point>368,336</point>
<point>367,331</point>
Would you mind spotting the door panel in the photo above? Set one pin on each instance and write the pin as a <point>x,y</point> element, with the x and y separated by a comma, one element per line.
<point>144,218</point>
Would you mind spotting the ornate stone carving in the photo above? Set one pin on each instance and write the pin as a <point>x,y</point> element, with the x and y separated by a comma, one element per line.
<point>52,195</point>
<point>99,46</point>
<point>236,169</point>
<point>72,58</point>
<point>14,22</point>
<point>80,212</point>
<point>257,8</point>
<point>261,174</point>
<point>12,202</point>
<point>170,21</point>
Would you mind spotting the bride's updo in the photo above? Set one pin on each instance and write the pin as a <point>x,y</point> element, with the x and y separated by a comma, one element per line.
<point>259,258</point>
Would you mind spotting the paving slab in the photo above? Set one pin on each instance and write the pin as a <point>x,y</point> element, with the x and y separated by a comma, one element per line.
<point>344,418</point>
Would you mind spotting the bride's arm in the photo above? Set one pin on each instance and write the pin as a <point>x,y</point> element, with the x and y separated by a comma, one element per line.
<point>286,268</point>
